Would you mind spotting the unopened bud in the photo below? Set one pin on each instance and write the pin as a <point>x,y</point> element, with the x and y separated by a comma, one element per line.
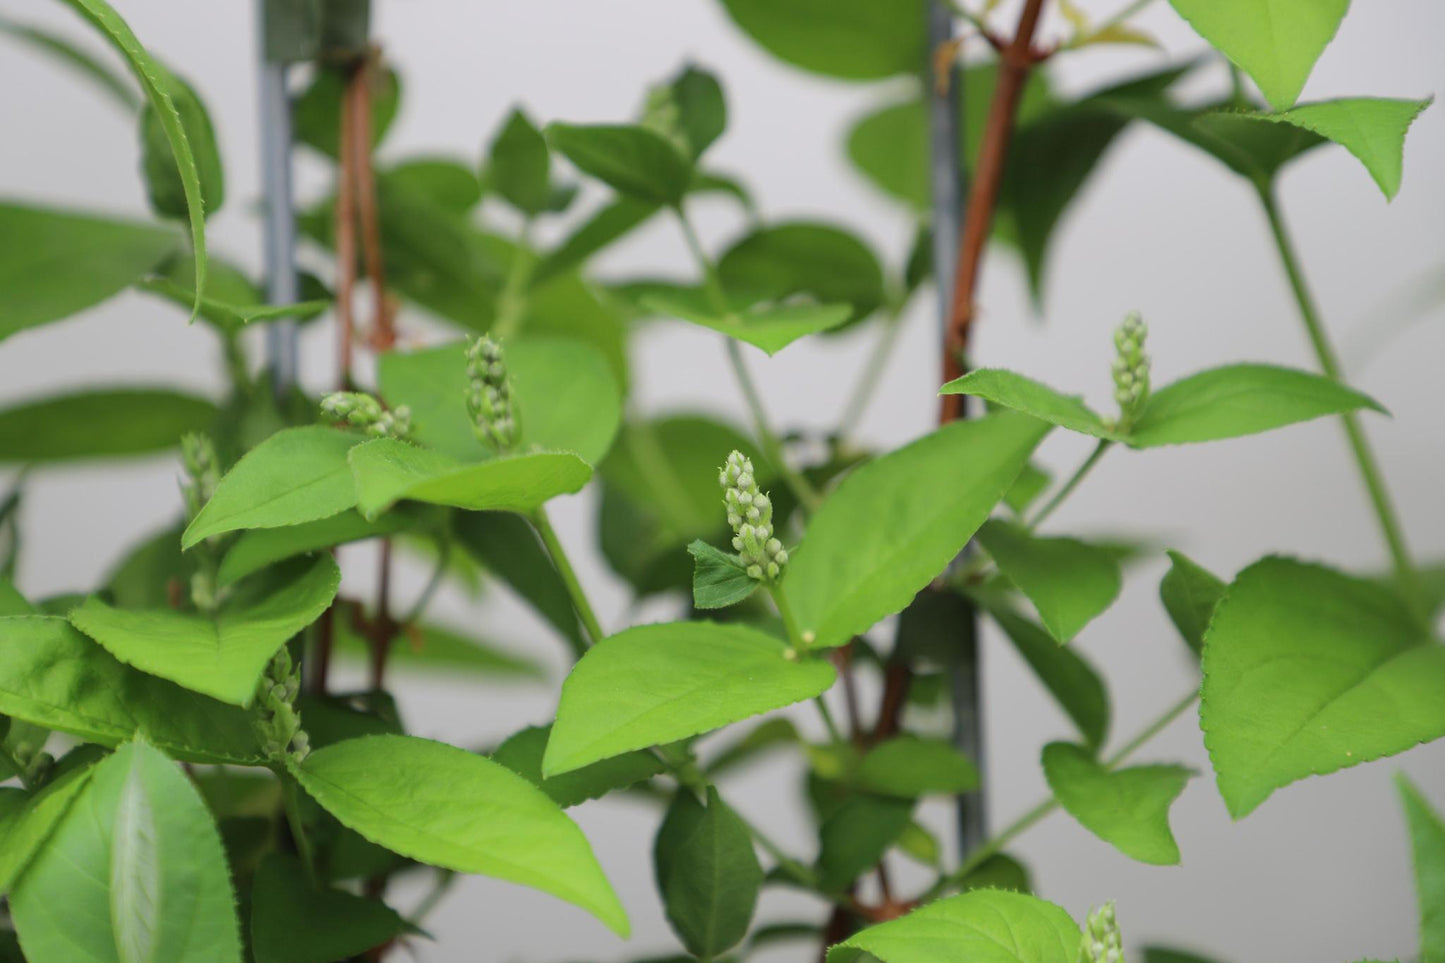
<point>489,395</point>
<point>1130,368</point>
<point>750,515</point>
<point>1102,941</point>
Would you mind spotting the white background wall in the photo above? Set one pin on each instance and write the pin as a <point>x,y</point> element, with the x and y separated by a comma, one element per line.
<point>1321,871</point>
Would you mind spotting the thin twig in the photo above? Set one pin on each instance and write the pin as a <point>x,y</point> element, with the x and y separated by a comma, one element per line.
<point>359,90</point>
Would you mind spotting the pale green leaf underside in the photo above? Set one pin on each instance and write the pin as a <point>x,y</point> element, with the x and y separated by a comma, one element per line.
<point>222,656</point>
<point>982,926</point>
<point>1128,808</point>
<point>24,831</point>
<point>1307,671</point>
<point>655,684</point>
<point>1427,838</point>
<point>1069,582</point>
<point>770,326</point>
<point>451,808</point>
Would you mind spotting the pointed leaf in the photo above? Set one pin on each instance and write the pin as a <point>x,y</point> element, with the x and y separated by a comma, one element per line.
<point>1427,837</point>
<point>856,835</point>
<point>293,922</point>
<point>848,39</point>
<point>908,767</point>
<point>982,926</point>
<point>1128,808</point>
<point>1072,682</point>
<point>815,259</point>
<point>522,753</point>
<point>447,807</point>
<point>164,182</point>
<point>655,684</point>
<point>100,424</point>
<point>770,326</point>
<point>1009,390</point>
<point>887,530</point>
<point>24,830</point>
<point>707,873</point>
<point>1190,594</point>
<point>519,167</point>
<point>1070,582</point>
<point>1307,671</point>
<point>719,579</point>
<point>635,161</point>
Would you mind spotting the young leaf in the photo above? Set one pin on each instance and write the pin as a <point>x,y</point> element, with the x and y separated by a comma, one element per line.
<point>770,326</point>
<point>30,820</point>
<point>1427,836</point>
<point>707,873</point>
<point>53,676</point>
<point>164,182</point>
<point>1128,808</point>
<point>635,161</point>
<point>1190,595</point>
<point>450,808</point>
<point>908,767</point>
<point>135,871</point>
<point>854,837</point>
<point>1070,582</point>
<point>1009,390</point>
<point>100,424</point>
<point>519,165</point>
<point>222,656</point>
<point>522,753</point>
<point>294,922</point>
<point>848,39</point>
<point>819,260</point>
<point>58,264</point>
<point>980,925</point>
<point>887,530</point>
<point>386,471</point>
<point>156,82</point>
<point>1240,399</point>
<point>258,548</point>
<point>656,684</point>
<point>1276,43</point>
<point>718,579</point>
<point>1077,687</point>
<point>1307,671</point>
<point>297,475</point>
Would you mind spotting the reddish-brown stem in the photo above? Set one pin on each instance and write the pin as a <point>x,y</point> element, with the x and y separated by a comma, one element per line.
<point>383,330</point>
<point>843,661</point>
<point>383,628</point>
<point>897,678</point>
<point>325,642</point>
<point>345,220</point>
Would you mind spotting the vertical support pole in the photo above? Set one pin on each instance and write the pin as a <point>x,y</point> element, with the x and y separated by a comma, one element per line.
<point>279,214</point>
<point>945,117</point>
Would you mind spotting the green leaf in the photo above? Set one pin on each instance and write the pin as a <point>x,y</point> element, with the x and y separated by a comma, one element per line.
<point>293,922</point>
<point>426,648</point>
<point>999,871</point>
<point>164,181</point>
<point>702,113</point>
<point>610,223</point>
<point>519,165</point>
<point>1160,954</point>
<point>1190,594</point>
<point>854,837</point>
<point>986,926</point>
<point>884,532</point>
<point>771,326</point>
<point>848,39</point>
<point>1276,42</point>
<point>113,423</point>
<point>1240,399</point>
<point>231,301</point>
<point>805,258</point>
<point>1070,582</point>
<point>79,60</point>
<point>316,113</point>
<point>718,579</point>
<point>222,656</point>
<point>1307,671</point>
<point>1032,483</point>
<point>297,475</point>
<point>447,807</point>
<point>773,733</point>
<point>522,753</point>
<point>58,264</point>
<point>634,161</point>
<point>157,84</point>
<point>449,184</point>
<point>509,548</point>
<point>656,684</point>
<point>1427,837</point>
<point>1074,685</point>
<point>26,827</point>
<point>256,549</point>
<point>1009,390</point>
<point>53,676</point>
<point>135,871</point>
<point>1128,808</point>
<point>908,767</point>
<point>707,873</point>
<point>386,470</point>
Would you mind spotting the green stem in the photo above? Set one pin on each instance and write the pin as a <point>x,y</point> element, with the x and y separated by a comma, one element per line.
<point>512,302</point>
<point>1369,468</point>
<point>569,579</point>
<point>290,792</point>
<point>1073,482</point>
<point>772,445</point>
<point>785,611</point>
<point>444,554</point>
<point>871,376</point>
<point>1151,730</point>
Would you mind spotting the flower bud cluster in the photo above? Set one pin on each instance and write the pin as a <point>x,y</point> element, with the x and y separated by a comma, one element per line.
<point>203,474</point>
<point>277,723</point>
<point>1131,366</point>
<point>489,394</point>
<point>750,513</point>
<point>1102,940</point>
<point>363,411</point>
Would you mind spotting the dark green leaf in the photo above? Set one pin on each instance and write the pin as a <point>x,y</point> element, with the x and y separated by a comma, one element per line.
<point>166,186</point>
<point>509,548</point>
<point>849,39</point>
<point>1077,687</point>
<point>854,837</point>
<point>718,579</point>
<point>100,424</point>
<point>707,873</point>
<point>908,767</point>
<point>1159,954</point>
<point>1128,808</point>
<point>522,753</point>
<point>447,183</point>
<point>983,925</point>
<point>293,922</point>
<point>316,114</point>
<point>813,259</point>
<point>771,326</point>
<point>635,161</point>
<point>701,111</point>
<point>519,166</point>
<point>1190,594</point>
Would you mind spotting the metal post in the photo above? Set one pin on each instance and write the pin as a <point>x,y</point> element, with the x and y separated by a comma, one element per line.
<point>279,214</point>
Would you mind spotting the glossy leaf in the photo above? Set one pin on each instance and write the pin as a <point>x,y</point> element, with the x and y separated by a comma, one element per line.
<point>848,39</point>
<point>58,264</point>
<point>989,926</point>
<point>908,767</point>
<point>883,533</point>
<point>222,656</point>
<point>707,873</point>
<point>293,922</point>
<point>818,260</point>
<point>1427,838</point>
<point>387,471</point>
<point>258,548</point>
<point>1070,582</point>
<point>1070,680</point>
<point>1009,390</point>
<point>1276,43</point>
<point>134,871</point>
<point>1128,808</point>
<point>450,808</point>
<point>718,579</point>
<point>1190,595</point>
<point>634,161</point>
<point>112,423</point>
<point>522,753</point>
<point>1307,671</point>
<point>655,684</point>
<point>771,326</point>
<point>53,676</point>
<point>297,475</point>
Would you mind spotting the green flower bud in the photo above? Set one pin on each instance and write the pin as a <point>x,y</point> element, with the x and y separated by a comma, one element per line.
<point>274,717</point>
<point>203,473</point>
<point>1102,942</point>
<point>361,410</point>
<point>1130,368</point>
<point>489,394</point>
<point>750,515</point>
